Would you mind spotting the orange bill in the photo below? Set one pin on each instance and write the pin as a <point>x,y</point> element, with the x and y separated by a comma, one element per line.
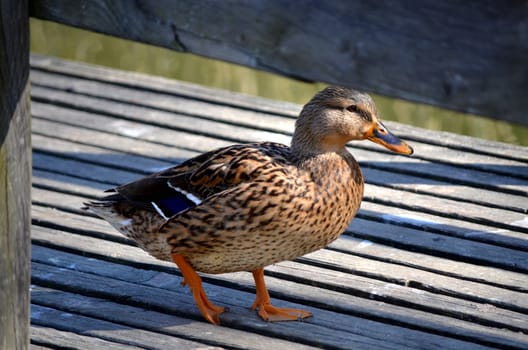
<point>381,135</point>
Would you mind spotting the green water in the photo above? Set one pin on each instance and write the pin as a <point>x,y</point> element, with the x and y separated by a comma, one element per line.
<point>75,44</point>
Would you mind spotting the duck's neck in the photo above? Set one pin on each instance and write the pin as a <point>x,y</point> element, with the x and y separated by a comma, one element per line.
<point>308,148</point>
<point>328,167</point>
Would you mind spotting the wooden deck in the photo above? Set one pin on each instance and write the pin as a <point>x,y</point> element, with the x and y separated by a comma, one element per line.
<point>436,258</point>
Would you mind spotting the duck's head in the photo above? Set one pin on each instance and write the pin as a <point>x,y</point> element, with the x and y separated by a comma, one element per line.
<point>335,116</point>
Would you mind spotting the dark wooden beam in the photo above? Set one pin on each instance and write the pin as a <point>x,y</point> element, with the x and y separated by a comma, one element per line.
<point>15,175</point>
<point>463,55</point>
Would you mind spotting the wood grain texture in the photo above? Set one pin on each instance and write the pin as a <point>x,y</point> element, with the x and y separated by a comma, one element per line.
<point>51,336</point>
<point>435,259</point>
<point>330,329</point>
<point>78,331</point>
<point>466,56</point>
<point>82,75</point>
<point>15,175</point>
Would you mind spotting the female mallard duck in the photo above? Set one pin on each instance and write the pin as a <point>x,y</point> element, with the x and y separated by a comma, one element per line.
<point>243,207</point>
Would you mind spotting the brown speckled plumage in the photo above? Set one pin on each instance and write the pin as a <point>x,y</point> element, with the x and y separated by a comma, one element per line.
<point>261,203</point>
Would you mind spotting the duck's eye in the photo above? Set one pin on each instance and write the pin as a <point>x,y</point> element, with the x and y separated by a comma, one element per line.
<point>353,108</point>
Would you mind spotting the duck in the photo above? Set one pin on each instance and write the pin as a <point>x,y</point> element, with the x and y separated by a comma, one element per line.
<point>246,206</point>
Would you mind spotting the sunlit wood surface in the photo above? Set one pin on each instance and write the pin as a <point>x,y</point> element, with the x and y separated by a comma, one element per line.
<point>436,258</point>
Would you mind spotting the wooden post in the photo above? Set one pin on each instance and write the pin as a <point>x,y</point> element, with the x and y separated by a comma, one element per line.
<point>15,175</point>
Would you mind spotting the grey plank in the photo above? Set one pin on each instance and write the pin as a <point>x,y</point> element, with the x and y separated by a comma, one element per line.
<point>402,275</point>
<point>249,116</point>
<point>427,262</point>
<point>385,271</point>
<point>77,168</point>
<point>80,74</point>
<point>493,276</point>
<point>82,71</point>
<point>176,121</point>
<point>361,335</point>
<point>328,279</point>
<point>404,236</point>
<point>234,134</point>
<point>96,142</point>
<point>431,243</point>
<point>67,184</point>
<point>133,338</point>
<point>134,129</point>
<point>263,121</point>
<point>157,298</point>
<point>98,155</point>
<point>446,206</point>
<point>172,330</point>
<point>175,154</point>
<point>405,217</point>
<point>439,188</point>
<point>335,300</point>
<point>419,203</point>
<point>367,52</point>
<point>51,338</point>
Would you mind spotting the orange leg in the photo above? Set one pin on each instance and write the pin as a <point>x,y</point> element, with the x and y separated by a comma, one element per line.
<point>269,312</point>
<point>210,311</point>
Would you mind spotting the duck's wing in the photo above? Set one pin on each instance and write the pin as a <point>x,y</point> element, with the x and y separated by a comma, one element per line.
<point>184,186</point>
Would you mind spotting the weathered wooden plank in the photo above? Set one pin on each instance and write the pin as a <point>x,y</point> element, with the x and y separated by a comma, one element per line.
<point>112,177</point>
<point>323,278</point>
<point>192,105</point>
<point>175,121</point>
<point>172,327</point>
<point>137,131</point>
<point>441,188</point>
<point>417,278</point>
<point>176,154</point>
<point>90,143</point>
<point>155,298</point>
<point>454,248</point>
<point>426,222</point>
<point>67,184</point>
<point>67,340</point>
<point>234,134</point>
<point>263,121</point>
<point>15,175</point>
<point>396,217</point>
<point>404,295</point>
<point>364,307</point>
<point>166,287</point>
<point>362,50</point>
<point>517,199</point>
<point>39,346</point>
<point>417,202</point>
<point>97,155</point>
<point>447,207</point>
<point>94,333</point>
<point>55,182</point>
<point>343,262</point>
<point>370,309</point>
<point>427,262</point>
<point>402,236</point>
<point>163,86</point>
<point>80,72</point>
